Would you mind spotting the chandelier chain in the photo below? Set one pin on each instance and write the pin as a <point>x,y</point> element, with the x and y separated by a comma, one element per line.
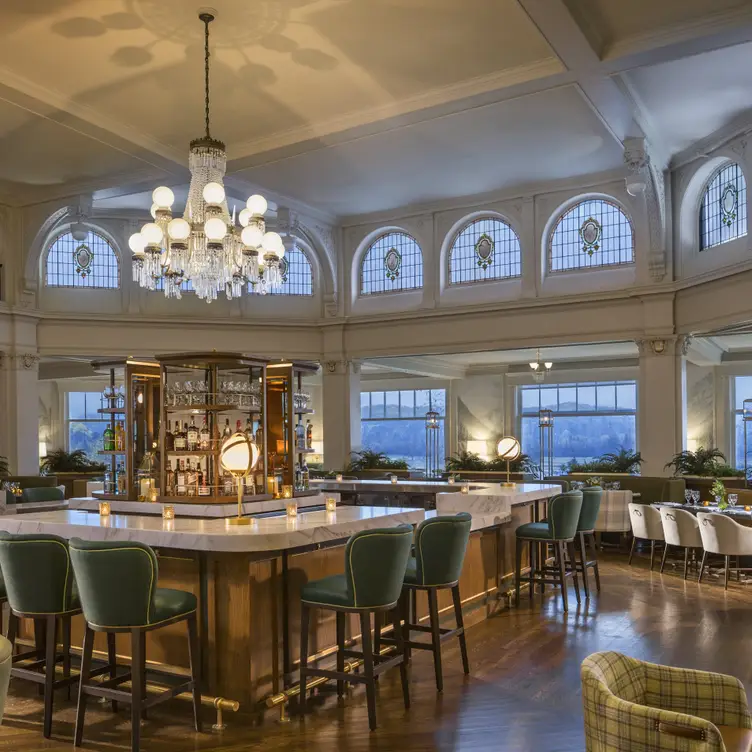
<point>207,19</point>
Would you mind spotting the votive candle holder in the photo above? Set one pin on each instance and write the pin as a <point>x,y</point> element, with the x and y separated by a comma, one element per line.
<point>287,492</point>
<point>394,478</point>
<point>465,489</point>
<point>291,508</point>
<point>168,512</point>
<point>104,508</point>
<point>339,477</point>
<point>331,504</point>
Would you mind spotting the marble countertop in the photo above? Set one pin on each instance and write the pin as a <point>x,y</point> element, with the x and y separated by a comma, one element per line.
<point>264,535</point>
<point>493,499</point>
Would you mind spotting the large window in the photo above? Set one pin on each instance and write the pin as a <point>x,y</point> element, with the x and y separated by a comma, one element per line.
<point>297,278</point>
<point>590,418</point>
<point>485,249</point>
<point>723,213</point>
<point>392,263</point>
<point>84,425</point>
<point>395,423</point>
<point>742,390</point>
<point>593,233</point>
<point>90,263</point>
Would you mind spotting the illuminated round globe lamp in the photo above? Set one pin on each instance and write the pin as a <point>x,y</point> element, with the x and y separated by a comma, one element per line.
<point>238,456</point>
<point>508,449</point>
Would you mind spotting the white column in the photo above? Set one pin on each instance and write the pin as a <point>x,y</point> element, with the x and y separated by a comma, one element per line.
<point>20,376</point>
<point>662,411</point>
<point>341,418</point>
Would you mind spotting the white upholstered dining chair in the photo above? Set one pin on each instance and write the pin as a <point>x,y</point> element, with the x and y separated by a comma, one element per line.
<point>646,525</point>
<point>680,528</point>
<point>726,537</point>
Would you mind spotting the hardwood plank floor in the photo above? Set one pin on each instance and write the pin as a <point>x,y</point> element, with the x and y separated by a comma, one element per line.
<point>523,692</point>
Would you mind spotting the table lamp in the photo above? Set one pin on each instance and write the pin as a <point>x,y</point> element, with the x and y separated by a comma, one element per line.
<point>508,449</point>
<point>238,456</point>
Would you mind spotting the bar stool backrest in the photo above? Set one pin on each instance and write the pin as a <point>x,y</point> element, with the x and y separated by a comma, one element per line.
<point>37,572</point>
<point>116,581</point>
<point>680,527</point>
<point>375,564</point>
<point>646,522</point>
<point>591,504</point>
<point>722,535</point>
<point>440,545</point>
<point>564,514</point>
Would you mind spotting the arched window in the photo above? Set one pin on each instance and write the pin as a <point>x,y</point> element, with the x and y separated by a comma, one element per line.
<point>90,263</point>
<point>297,277</point>
<point>392,263</point>
<point>485,249</point>
<point>592,233</point>
<point>723,213</point>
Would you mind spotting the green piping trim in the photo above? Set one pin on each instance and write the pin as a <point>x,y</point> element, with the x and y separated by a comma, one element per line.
<point>67,569</point>
<point>142,626</point>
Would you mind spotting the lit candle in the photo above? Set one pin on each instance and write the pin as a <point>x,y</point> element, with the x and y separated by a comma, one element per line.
<point>339,477</point>
<point>451,479</point>
<point>168,512</point>
<point>104,508</point>
<point>465,489</point>
<point>291,508</point>
<point>331,504</point>
<point>145,486</point>
<point>287,492</point>
<point>153,495</point>
<point>394,479</point>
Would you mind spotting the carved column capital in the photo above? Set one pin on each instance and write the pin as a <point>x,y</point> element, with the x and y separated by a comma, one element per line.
<point>342,366</point>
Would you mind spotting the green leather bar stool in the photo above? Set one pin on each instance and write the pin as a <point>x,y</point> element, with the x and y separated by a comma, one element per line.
<point>39,582</point>
<point>117,582</point>
<point>440,545</point>
<point>591,504</point>
<point>558,531</point>
<point>375,564</point>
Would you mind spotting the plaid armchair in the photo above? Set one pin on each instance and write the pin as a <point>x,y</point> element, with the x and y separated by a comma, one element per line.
<point>634,706</point>
<point>613,515</point>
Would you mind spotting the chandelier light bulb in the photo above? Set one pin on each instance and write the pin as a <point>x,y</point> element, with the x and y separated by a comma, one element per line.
<point>244,217</point>
<point>251,236</point>
<point>178,229</point>
<point>214,193</point>
<point>153,210</point>
<point>214,229</point>
<point>548,365</point>
<point>163,197</point>
<point>152,233</point>
<point>272,243</point>
<point>535,366</point>
<point>257,205</point>
<point>136,243</point>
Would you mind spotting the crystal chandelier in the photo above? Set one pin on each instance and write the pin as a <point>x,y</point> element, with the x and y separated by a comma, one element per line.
<point>205,245</point>
<point>540,369</point>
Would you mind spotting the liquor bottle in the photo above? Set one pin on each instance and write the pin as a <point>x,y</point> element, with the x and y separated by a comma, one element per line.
<point>121,480</point>
<point>238,427</point>
<point>227,484</point>
<point>298,478</point>
<point>228,431</point>
<point>249,429</point>
<point>300,438</point>
<point>107,485</point>
<point>309,435</point>
<point>170,480</point>
<point>192,436</point>
<point>169,439</point>
<point>119,437</point>
<point>179,438</point>
<point>260,436</point>
<point>306,476</point>
<point>108,440</point>
<point>203,488</point>
<point>191,480</point>
<point>180,480</point>
<point>204,436</point>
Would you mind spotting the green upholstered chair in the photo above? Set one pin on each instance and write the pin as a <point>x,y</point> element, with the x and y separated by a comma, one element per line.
<point>591,504</point>
<point>42,494</point>
<point>559,531</point>
<point>117,582</point>
<point>436,564</point>
<point>375,564</point>
<point>39,585</point>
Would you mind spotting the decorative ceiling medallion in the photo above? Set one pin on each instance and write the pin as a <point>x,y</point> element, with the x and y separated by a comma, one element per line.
<point>590,232</point>
<point>392,264</point>
<point>484,248</point>
<point>83,257</point>
<point>729,200</point>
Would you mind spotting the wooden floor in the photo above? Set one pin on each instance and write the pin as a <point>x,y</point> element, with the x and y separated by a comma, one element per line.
<point>523,692</point>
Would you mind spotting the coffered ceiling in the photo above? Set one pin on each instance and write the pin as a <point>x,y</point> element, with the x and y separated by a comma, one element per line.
<point>358,106</point>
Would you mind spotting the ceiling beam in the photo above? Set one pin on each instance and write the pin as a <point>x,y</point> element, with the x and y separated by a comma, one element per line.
<point>425,365</point>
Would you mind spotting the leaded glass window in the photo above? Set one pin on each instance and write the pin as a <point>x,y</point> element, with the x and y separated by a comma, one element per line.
<point>297,277</point>
<point>89,263</point>
<point>393,263</point>
<point>485,249</point>
<point>723,213</point>
<point>592,233</point>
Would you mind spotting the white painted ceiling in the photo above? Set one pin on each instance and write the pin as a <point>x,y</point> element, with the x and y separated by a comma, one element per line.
<point>358,106</point>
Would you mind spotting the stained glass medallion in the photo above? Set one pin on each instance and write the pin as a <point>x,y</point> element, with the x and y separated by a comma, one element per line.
<point>284,268</point>
<point>484,249</point>
<point>83,257</point>
<point>392,264</point>
<point>590,232</point>
<point>729,200</point>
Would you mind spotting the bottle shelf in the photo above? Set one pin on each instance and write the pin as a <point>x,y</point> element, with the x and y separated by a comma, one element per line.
<point>109,496</point>
<point>211,409</point>
<point>304,451</point>
<point>111,453</point>
<point>194,452</point>
<point>304,411</point>
<point>111,410</point>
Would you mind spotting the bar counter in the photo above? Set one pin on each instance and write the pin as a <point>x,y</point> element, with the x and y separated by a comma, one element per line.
<point>247,579</point>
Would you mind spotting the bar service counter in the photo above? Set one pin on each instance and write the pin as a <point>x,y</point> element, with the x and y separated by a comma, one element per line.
<point>247,578</point>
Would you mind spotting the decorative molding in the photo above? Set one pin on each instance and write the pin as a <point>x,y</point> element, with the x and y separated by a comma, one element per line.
<point>636,156</point>
<point>25,361</point>
<point>343,367</point>
<point>677,345</point>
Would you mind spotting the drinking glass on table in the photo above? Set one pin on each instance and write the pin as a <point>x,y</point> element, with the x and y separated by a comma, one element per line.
<point>688,496</point>
<point>733,499</point>
<point>695,497</point>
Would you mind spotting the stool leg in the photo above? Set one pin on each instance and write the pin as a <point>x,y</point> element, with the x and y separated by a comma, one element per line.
<point>66,629</point>
<point>49,672</point>
<point>88,648</point>
<point>559,554</point>
<point>652,554</point>
<point>340,649</point>
<point>376,638</point>
<point>433,609</point>
<point>405,608</point>
<point>583,556</point>
<point>663,558</point>
<point>414,607</point>
<point>517,571</point>
<point>572,556</point>
<point>365,634</point>
<point>138,660</point>
<point>726,574</point>
<point>12,630</point>
<point>112,661</point>
<point>596,570</point>
<point>401,651</point>
<point>39,645</point>
<point>631,550</point>
<point>686,560</point>
<point>304,618</point>
<point>144,711</point>
<point>702,565</point>
<point>461,626</point>
<point>533,562</point>
<point>194,661</point>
